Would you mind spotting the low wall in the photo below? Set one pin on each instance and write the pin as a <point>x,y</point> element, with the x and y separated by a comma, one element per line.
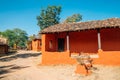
<point>105,58</point>
<point>49,58</point>
<point>108,58</point>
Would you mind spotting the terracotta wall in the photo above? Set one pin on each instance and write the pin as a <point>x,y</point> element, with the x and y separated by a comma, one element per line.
<point>50,37</point>
<point>110,39</point>
<point>49,58</point>
<point>105,58</point>
<point>84,41</point>
<point>79,41</point>
<point>54,39</point>
<point>108,58</point>
<point>36,45</point>
<point>43,37</point>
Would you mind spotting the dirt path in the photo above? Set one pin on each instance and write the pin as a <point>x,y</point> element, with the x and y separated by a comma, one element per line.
<point>23,65</point>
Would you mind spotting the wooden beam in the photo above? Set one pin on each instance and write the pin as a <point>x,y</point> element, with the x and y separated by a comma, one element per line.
<point>68,46</point>
<point>99,39</point>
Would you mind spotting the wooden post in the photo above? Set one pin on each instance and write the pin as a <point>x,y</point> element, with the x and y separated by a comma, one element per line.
<point>68,41</point>
<point>99,40</point>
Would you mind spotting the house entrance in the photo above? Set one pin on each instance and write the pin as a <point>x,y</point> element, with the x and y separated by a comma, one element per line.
<point>61,44</point>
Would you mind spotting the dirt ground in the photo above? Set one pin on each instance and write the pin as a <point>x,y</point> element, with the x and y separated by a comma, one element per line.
<point>23,65</point>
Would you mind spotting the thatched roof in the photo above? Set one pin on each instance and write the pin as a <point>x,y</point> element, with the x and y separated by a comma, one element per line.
<point>98,24</point>
<point>38,36</point>
<point>3,40</point>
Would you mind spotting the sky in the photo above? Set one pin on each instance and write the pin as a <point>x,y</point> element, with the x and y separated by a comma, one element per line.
<point>22,13</point>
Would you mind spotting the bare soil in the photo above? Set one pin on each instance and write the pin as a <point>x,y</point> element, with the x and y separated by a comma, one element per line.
<point>23,65</point>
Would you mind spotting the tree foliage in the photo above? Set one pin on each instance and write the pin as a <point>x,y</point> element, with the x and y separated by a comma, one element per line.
<point>74,18</point>
<point>16,36</point>
<point>49,16</point>
<point>31,37</point>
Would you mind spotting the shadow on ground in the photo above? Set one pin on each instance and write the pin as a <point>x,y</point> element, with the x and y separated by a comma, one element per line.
<point>9,69</point>
<point>10,52</point>
<point>2,77</point>
<point>13,57</point>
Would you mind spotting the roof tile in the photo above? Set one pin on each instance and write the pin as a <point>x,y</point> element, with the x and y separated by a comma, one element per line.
<point>64,27</point>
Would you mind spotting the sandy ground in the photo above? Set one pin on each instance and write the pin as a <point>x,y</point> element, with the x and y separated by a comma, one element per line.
<point>23,65</point>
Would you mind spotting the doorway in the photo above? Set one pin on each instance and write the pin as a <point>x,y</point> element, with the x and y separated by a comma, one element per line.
<point>61,44</point>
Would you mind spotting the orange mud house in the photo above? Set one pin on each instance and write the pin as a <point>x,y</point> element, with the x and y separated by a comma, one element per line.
<point>100,38</point>
<point>36,43</point>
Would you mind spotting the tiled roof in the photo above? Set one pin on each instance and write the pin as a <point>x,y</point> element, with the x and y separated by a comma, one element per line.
<point>65,27</point>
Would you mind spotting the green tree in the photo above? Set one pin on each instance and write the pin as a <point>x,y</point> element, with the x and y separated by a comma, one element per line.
<point>49,16</point>
<point>0,32</point>
<point>16,36</point>
<point>10,35</point>
<point>74,18</point>
<point>31,37</point>
<point>21,37</point>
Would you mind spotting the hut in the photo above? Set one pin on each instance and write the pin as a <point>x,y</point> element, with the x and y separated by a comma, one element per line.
<point>99,38</point>
<point>29,45</point>
<point>36,43</point>
<point>3,45</point>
